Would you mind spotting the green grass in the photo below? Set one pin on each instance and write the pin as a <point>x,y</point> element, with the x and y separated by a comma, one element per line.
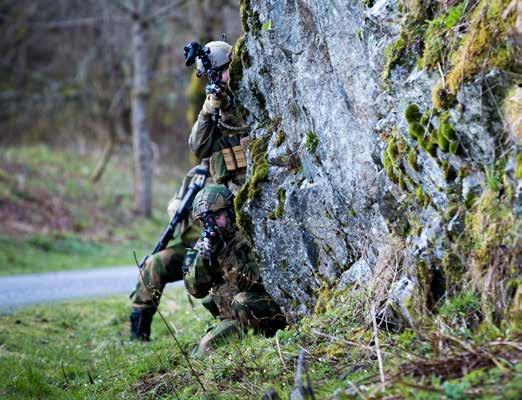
<point>43,253</point>
<point>91,338</point>
<point>56,219</point>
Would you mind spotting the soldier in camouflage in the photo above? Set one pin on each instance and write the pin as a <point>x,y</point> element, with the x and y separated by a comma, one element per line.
<point>221,268</point>
<point>225,142</point>
<point>160,269</point>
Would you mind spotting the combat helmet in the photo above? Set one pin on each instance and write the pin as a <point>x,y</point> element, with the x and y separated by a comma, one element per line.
<point>212,198</point>
<point>219,56</point>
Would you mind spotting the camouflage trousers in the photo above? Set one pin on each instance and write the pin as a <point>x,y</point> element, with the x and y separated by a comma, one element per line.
<point>252,310</point>
<point>160,269</point>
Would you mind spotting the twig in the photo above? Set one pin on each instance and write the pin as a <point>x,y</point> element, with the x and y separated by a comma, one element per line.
<point>161,12</point>
<point>91,381</point>
<point>377,347</point>
<point>305,391</point>
<point>280,354</point>
<point>64,374</point>
<point>169,328</point>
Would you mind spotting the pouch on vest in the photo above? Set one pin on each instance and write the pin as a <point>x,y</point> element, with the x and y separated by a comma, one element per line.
<point>233,153</point>
<point>240,157</point>
<point>218,168</point>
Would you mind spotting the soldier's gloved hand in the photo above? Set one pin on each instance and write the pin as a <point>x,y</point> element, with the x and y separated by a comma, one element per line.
<point>212,102</point>
<point>207,249</point>
<point>208,244</point>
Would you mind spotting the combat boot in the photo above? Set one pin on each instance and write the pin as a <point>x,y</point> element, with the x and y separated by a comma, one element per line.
<point>141,320</point>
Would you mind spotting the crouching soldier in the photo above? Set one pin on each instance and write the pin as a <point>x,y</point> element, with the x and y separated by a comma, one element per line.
<point>222,270</point>
<point>162,268</point>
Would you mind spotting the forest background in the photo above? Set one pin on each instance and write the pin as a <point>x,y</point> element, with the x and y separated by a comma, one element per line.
<point>71,184</point>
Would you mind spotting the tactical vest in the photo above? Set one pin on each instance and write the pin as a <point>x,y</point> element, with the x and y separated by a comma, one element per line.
<point>228,161</point>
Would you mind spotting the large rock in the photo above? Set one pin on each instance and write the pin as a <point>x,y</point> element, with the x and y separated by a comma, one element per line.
<point>315,72</point>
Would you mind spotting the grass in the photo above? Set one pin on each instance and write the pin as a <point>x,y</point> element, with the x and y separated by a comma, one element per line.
<point>40,253</point>
<point>80,349</point>
<point>54,218</point>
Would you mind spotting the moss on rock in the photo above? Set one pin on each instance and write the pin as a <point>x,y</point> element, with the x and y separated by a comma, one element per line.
<point>412,113</point>
<point>312,141</point>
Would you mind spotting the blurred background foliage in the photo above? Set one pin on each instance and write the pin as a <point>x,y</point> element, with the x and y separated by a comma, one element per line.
<point>65,101</point>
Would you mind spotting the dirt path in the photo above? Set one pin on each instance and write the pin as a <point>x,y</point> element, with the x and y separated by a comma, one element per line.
<point>20,290</point>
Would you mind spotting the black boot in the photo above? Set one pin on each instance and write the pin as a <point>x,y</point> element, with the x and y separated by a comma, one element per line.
<point>140,320</point>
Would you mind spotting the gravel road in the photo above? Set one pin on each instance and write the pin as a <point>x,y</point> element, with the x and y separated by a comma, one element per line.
<point>20,290</point>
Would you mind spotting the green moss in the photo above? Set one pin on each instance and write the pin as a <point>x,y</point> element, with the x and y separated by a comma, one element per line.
<point>411,30</point>
<point>392,149</point>
<point>429,145</point>
<point>236,64</point>
<point>389,168</point>
<point>393,53</point>
<point>259,165</point>
<point>470,200</point>
<point>518,171</point>
<point>280,138</point>
<point>267,26</point>
<point>280,210</point>
<point>451,211</point>
<point>425,119</point>
<point>454,148</point>
<point>439,36</point>
<point>312,141</point>
<point>442,142</point>
<point>415,130</point>
<point>402,182</point>
<point>447,131</point>
<point>412,113</point>
<point>250,189</point>
<point>420,195</point>
<point>484,45</point>
<point>412,159</point>
<point>243,220</point>
<point>244,11</point>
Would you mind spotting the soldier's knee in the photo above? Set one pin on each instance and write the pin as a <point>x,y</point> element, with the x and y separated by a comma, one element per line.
<point>209,303</point>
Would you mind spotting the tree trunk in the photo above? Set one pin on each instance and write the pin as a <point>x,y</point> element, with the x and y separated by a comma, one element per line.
<point>140,131</point>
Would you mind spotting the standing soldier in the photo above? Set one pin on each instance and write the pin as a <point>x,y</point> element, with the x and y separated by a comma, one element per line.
<point>219,132</point>
<point>222,265</point>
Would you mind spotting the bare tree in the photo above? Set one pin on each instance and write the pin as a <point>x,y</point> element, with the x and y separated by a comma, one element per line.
<point>141,144</point>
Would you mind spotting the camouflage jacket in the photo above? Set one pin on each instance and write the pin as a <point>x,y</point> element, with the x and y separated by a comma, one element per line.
<point>235,270</point>
<point>224,147</point>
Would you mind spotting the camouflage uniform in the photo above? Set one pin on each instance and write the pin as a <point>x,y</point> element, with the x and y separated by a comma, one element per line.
<point>223,145</point>
<point>232,281</point>
<point>161,268</point>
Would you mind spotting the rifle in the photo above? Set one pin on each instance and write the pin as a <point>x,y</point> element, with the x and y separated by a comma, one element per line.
<point>201,173</point>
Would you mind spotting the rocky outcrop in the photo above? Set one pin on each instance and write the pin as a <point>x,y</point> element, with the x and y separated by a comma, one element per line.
<point>346,175</point>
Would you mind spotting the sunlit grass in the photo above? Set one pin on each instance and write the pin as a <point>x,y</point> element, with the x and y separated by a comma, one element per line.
<point>100,227</point>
